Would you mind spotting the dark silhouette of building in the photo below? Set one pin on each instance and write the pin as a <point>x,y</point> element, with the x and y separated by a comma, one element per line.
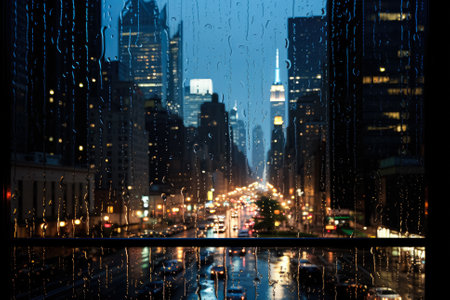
<point>307,56</point>
<point>305,132</point>
<point>258,153</point>
<point>375,100</point>
<point>275,156</point>
<point>214,133</point>
<point>121,159</point>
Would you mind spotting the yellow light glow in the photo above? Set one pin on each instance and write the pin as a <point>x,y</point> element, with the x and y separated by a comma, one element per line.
<point>278,120</point>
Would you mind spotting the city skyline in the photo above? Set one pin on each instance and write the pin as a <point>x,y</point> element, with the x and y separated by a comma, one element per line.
<point>229,43</point>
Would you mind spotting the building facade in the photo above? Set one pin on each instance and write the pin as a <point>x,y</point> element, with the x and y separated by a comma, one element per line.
<point>142,43</point>
<point>258,153</point>
<point>198,92</point>
<point>377,115</point>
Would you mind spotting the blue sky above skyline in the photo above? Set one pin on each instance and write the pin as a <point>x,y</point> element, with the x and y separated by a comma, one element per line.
<point>232,42</point>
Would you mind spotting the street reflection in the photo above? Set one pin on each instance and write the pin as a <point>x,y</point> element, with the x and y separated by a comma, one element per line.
<point>213,273</point>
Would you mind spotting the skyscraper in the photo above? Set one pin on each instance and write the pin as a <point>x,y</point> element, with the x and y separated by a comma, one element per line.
<point>54,70</point>
<point>376,117</point>
<point>258,153</point>
<point>238,130</point>
<point>275,156</point>
<point>121,152</point>
<point>391,119</point>
<point>213,132</point>
<point>175,73</point>
<point>306,53</point>
<point>305,136</point>
<point>141,47</point>
<point>277,96</point>
<point>198,92</point>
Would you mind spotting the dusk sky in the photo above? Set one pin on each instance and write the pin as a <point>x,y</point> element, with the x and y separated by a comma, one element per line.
<point>232,42</point>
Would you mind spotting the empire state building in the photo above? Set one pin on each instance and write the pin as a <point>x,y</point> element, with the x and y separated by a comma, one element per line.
<point>277,98</point>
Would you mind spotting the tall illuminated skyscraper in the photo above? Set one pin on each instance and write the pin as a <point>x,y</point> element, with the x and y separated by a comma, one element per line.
<point>140,47</point>
<point>277,96</point>
<point>277,117</point>
<point>199,92</point>
<point>175,73</point>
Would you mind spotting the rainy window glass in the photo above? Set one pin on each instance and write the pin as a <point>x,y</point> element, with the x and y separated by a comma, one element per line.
<point>218,119</point>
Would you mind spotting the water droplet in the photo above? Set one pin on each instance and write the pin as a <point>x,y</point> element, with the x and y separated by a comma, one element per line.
<point>288,64</point>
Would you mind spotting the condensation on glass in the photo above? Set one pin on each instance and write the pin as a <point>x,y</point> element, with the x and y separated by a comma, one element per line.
<point>216,119</point>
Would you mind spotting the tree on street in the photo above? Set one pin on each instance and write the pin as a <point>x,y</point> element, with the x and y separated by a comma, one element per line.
<point>270,212</point>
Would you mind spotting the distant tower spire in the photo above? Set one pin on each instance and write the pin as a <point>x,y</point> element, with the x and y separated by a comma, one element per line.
<point>277,68</point>
<point>235,108</point>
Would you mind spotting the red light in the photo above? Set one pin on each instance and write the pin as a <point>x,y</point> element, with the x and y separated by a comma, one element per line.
<point>8,194</point>
<point>108,225</point>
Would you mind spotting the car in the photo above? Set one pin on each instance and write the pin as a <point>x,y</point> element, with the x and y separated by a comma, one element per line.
<point>299,261</point>
<point>178,228</point>
<point>382,293</point>
<point>236,251</point>
<point>243,233</point>
<point>217,271</point>
<point>249,223</point>
<point>350,291</point>
<point>203,226</point>
<point>222,228</point>
<point>167,232</point>
<point>206,256</point>
<point>171,267</point>
<point>200,234</point>
<point>236,293</point>
<point>207,290</point>
<point>148,233</point>
<point>310,274</point>
<point>154,289</point>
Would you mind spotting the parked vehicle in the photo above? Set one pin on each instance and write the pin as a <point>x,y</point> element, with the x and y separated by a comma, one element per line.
<point>382,293</point>
<point>243,233</point>
<point>236,251</point>
<point>153,289</point>
<point>236,293</point>
<point>217,271</point>
<point>172,267</point>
